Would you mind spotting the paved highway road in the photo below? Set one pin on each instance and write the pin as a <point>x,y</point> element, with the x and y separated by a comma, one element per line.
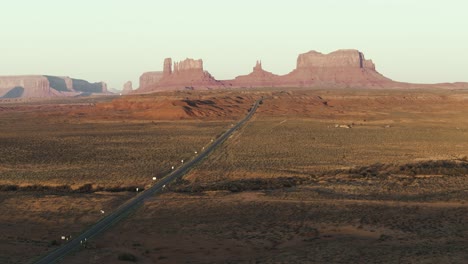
<point>133,203</point>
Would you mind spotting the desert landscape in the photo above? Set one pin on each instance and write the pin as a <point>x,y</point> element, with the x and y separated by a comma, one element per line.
<point>233,132</point>
<point>318,175</point>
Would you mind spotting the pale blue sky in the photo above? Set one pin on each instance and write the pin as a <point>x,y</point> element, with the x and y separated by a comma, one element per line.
<point>116,40</point>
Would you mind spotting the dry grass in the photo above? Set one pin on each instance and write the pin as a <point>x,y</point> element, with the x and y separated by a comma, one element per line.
<point>30,222</point>
<point>254,227</point>
<point>55,155</point>
<point>104,154</point>
<point>385,129</point>
<point>390,189</point>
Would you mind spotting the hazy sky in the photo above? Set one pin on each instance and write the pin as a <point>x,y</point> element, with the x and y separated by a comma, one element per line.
<point>117,40</point>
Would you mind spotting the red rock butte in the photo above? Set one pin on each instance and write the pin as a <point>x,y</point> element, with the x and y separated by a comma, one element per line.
<point>127,87</point>
<point>342,68</point>
<point>186,74</point>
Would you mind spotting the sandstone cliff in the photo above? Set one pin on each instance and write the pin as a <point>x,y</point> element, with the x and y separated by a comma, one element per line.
<point>25,86</point>
<point>148,80</point>
<point>336,59</point>
<point>167,70</point>
<point>127,88</point>
<point>186,74</point>
<point>343,68</point>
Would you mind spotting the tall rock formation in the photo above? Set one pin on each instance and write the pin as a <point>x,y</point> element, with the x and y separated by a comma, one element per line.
<point>341,68</point>
<point>258,78</point>
<point>127,88</point>
<point>148,80</point>
<point>186,74</point>
<point>345,68</point>
<point>103,87</point>
<point>167,70</point>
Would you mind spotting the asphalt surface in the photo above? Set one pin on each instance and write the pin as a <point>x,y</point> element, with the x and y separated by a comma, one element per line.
<point>133,203</point>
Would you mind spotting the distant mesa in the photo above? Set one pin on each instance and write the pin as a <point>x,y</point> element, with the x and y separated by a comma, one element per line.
<point>127,88</point>
<point>342,68</point>
<point>339,69</point>
<point>186,74</point>
<point>148,80</point>
<point>26,86</point>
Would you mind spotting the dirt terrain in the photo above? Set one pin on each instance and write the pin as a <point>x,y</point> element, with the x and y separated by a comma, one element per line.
<point>306,133</point>
<point>317,176</point>
<point>294,225</point>
<point>67,143</point>
<point>32,223</point>
<point>58,169</point>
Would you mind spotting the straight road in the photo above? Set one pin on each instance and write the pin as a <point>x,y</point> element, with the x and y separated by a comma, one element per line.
<point>133,203</point>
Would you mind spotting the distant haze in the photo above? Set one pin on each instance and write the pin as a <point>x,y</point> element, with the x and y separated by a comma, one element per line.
<point>117,40</point>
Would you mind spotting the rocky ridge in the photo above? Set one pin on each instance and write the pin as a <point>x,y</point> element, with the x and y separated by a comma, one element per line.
<point>342,68</point>
<point>27,86</point>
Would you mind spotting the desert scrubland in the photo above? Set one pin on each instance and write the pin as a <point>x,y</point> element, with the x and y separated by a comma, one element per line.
<point>317,176</point>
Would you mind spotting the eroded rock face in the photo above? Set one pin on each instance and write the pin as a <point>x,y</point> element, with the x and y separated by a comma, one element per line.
<point>68,82</point>
<point>188,65</point>
<point>186,74</point>
<point>258,78</point>
<point>127,88</point>
<point>24,86</point>
<point>342,68</point>
<point>336,59</point>
<point>149,79</point>
<point>167,67</point>
<point>86,87</point>
<point>104,87</point>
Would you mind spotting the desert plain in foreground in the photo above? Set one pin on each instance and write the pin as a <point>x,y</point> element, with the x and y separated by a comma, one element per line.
<point>317,176</point>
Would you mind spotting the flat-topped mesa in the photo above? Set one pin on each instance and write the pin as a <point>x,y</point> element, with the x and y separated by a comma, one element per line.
<point>24,86</point>
<point>342,68</point>
<point>336,59</point>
